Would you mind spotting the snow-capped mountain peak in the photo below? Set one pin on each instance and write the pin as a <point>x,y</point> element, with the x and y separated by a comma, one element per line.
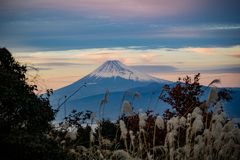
<point>115,68</point>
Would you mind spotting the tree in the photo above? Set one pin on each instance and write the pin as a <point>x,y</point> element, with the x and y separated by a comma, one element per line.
<point>183,97</point>
<point>24,117</point>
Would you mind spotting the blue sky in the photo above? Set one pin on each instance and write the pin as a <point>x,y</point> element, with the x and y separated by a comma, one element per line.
<point>165,39</point>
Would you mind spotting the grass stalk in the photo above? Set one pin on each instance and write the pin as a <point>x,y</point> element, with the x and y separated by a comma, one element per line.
<point>154,139</point>
<point>150,100</point>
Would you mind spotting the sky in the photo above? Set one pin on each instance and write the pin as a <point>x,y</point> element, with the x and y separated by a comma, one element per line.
<point>66,40</point>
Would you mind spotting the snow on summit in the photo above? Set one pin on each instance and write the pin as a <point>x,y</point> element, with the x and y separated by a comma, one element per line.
<point>115,68</point>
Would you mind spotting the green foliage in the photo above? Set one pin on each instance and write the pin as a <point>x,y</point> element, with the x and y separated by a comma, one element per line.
<point>24,116</point>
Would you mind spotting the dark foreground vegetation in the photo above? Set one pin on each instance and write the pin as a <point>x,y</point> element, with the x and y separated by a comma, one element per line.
<point>191,129</point>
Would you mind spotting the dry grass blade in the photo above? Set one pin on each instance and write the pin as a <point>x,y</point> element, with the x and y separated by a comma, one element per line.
<point>136,94</point>
<point>215,81</point>
<point>150,99</point>
<point>104,100</point>
<point>106,95</point>
<point>92,117</point>
<point>100,108</point>
<point>163,89</point>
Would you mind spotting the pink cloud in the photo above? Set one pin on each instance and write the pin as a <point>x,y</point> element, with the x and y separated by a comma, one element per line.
<point>236,55</point>
<point>36,54</point>
<point>148,57</point>
<point>101,53</point>
<point>140,8</point>
<point>202,50</point>
<point>123,8</point>
<point>34,58</point>
<point>102,56</point>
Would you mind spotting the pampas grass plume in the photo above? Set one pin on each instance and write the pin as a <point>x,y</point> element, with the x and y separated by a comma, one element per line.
<point>106,142</point>
<point>121,155</point>
<point>197,124</point>
<point>127,108</point>
<point>159,122</point>
<point>196,112</point>
<point>91,137</point>
<point>71,135</point>
<point>123,129</point>
<point>137,95</point>
<point>142,118</point>
<point>132,137</point>
<point>182,121</point>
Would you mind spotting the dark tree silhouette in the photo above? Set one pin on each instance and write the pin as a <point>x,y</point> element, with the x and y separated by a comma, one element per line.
<point>24,116</point>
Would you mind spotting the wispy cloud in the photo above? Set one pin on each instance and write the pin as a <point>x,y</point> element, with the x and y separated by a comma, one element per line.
<point>97,54</point>
<point>61,64</point>
<point>202,50</point>
<point>43,59</point>
<point>155,68</point>
<point>35,54</point>
<point>237,55</point>
<point>149,57</point>
<point>102,56</point>
<point>223,70</point>
<point>40,69</point>
<point>101,53</point>
<point>223,27</point>
<point>23,58</point>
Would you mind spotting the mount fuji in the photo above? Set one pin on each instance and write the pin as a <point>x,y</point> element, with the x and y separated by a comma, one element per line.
<point>112,75</point>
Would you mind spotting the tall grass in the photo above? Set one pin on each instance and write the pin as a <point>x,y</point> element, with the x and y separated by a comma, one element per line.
<point>204,139</point>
